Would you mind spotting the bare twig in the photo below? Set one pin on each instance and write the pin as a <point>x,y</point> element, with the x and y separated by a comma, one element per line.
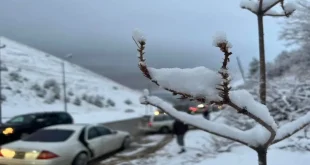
<point>278,14</point>
<point>288,135</point>
<point>144,69</point>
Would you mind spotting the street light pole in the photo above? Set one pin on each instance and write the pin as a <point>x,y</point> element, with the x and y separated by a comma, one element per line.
<point>64,82</point>
<point>1,47</point>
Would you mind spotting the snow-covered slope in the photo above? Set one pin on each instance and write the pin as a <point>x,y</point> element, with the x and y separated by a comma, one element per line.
<point>25,72</point>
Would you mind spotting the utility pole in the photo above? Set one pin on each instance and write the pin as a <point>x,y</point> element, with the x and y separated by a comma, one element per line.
<point>149,88</point>
<point>64,81</point>
<point>240,68</point>
<point>1,47</point>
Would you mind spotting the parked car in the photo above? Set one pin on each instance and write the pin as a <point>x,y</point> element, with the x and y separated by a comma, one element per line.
<point>23,125</point>
<point>65,144</point>
<point>157,123</point>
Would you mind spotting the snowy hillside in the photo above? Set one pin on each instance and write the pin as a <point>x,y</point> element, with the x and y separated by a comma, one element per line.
<point>32,81</point>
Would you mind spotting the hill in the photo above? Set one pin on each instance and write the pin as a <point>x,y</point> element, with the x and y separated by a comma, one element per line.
<point>32,81</point>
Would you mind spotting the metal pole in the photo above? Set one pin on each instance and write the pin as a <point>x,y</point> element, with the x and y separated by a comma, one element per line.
<point>64,86</point>
<point>149,88</point>
<point>240,68</point>
<point>1,47</point>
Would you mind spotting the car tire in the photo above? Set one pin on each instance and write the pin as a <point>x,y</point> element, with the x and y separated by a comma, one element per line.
<point>164,130</point>
<point>126,143</point>
<point>81,159</point>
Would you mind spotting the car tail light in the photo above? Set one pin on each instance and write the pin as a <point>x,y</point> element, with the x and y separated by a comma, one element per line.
<point>47,155</point>
<point>1,153</point>
<point>149,124</point>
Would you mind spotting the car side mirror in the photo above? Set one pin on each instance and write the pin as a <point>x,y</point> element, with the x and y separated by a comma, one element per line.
<point>113,132</point>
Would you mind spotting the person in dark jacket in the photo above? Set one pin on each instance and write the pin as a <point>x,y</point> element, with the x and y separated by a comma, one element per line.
<point>179,129</point>
<point>206,114</point>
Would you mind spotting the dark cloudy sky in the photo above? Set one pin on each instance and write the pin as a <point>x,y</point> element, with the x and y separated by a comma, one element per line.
<point>98,32</point>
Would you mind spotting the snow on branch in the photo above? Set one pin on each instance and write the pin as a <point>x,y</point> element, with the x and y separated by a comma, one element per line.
<point>204,85</point>
<point>265,7</point>
<point>222,130</point>
<point>197,82</point>
<point>242,98</point>
<point>253,109</point>
<point>291,128</point>
<point>251,5</point>
<point>287,10</point>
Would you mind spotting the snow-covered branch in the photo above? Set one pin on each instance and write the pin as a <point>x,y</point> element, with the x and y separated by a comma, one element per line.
<point>291,128</point>
<point>265,7</point>
<point>250,5</point>
<point>204,79</point>
<point>254,110</point>
<point>208,86</point>
<point>218,129</point>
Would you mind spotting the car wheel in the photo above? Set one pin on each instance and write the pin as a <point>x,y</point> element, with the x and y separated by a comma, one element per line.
<point>126,142</point>
<point>164,130</point>
<point>81,159</point>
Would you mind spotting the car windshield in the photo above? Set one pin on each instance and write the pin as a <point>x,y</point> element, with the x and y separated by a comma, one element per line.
<point>49,135</point>
<point>21,119</point>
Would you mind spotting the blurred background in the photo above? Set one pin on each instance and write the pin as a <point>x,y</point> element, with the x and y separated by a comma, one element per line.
<point>98,33</point>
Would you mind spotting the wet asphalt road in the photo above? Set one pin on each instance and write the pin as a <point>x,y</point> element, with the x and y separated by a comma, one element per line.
<point>129,125</point>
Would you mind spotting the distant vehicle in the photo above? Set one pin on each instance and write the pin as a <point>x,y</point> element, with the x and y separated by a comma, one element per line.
<point>157,123</point>
<point>66,144</point>
<point>23,125</point>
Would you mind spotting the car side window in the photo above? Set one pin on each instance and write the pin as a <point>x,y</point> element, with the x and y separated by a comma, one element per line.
<point>64,118</point>
<point>168,117</point>
<point>159,118</point>
<point>92,133</point>
<point>103,130</point>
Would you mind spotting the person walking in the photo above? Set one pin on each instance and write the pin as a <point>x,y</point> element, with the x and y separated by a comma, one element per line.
<point>179,129</point>
<point>206,113</point>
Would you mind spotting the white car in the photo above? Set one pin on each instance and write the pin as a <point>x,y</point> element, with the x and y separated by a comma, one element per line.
<point>66,144</point>
<point>161,123</point>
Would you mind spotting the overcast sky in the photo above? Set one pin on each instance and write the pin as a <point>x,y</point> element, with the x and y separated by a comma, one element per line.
<point>98,32</point>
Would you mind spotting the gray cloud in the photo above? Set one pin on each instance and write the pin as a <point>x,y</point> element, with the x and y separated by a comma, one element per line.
<point>98,32</point>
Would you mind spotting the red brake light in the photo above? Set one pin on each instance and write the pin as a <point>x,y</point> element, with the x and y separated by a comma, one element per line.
<point>1,153</point>
<point>193,109</point>
<point>149,124</point>
<point>47,155</point>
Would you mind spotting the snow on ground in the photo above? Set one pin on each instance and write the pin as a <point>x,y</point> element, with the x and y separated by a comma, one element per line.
<point>35,67</point>
<point>200,151</point>
<point>237,83</point>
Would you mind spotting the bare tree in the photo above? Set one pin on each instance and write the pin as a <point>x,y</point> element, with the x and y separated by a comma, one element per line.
<point>263,8</point>
<point>210,87</point>
<point>297,29</point>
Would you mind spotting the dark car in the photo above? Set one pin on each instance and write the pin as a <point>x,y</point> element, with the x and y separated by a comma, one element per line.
<point>23,125</point>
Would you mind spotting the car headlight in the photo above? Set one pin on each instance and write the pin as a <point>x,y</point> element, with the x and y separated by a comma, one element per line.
<point>200,106</point>
<point>156,113</point>
<point>8,131</point>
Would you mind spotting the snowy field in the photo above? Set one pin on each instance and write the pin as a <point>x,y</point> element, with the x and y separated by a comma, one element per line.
<point>101,99</point>
<point>202,151</point>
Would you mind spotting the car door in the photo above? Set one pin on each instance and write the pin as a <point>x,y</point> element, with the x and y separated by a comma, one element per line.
<point>109,139</point>
<point>94,140</point>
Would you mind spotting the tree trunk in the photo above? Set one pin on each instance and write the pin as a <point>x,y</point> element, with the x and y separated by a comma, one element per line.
<point>262,86</point>
<point>262,156</point>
